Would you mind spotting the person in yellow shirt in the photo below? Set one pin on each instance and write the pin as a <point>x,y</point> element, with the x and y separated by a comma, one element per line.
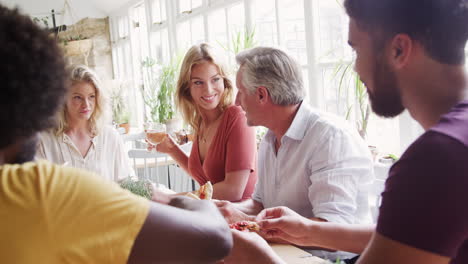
<point>53,214</point>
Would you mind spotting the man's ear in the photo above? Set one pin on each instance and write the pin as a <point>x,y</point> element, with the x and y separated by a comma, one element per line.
<point>401,49</point>
<point>262,94</point>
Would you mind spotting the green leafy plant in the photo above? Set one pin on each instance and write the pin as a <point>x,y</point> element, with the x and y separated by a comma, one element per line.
<point>159,87</point>
<point>240,40</point>
<point>260,134</point>
<point>120,113</point>
<point>348,80</point>
<point>43,21</point>
<point>392,157</point>
<point>243,40</point>
<point>139,187</point>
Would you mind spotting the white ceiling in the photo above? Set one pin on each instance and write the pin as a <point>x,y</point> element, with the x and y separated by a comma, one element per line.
<point>79,8</point>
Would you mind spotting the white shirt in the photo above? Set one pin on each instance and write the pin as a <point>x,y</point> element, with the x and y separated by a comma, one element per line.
<point>107,155</point>
<point>322,169</point>
<point>318,171</point>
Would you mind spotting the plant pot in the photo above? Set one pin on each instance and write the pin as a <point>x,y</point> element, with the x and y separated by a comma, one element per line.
<point>126,126</point>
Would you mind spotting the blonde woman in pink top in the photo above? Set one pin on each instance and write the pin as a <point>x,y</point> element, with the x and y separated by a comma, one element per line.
<point>224,149</point>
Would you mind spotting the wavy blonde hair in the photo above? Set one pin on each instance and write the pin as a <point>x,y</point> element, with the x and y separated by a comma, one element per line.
<point>184,102</point>
<point>77,74</point>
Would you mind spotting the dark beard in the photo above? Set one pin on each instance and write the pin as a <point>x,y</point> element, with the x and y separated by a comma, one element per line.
<point>385,98</point>
<point>26,151</point>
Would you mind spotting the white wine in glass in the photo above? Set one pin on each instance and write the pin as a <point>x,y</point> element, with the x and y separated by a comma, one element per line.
<point>156,133</point>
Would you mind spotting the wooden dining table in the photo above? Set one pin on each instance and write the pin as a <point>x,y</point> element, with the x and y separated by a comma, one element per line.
<point>294,255</point>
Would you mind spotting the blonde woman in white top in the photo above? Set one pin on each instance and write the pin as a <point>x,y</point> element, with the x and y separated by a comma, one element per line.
<point>81,139</point>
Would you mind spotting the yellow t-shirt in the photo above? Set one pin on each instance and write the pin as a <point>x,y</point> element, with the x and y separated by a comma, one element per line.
<point>52,214</point>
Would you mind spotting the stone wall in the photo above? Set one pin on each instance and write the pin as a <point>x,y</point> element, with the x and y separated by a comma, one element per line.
<point>99,57</point>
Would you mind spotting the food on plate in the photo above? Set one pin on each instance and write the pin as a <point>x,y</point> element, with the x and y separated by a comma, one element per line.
<point>245,226</point>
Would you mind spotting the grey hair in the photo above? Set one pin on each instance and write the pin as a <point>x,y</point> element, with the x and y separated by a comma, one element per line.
<point>275,70</point>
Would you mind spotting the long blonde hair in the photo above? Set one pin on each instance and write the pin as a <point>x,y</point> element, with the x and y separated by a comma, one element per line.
<point>77,74</point>
<point>184,102</point>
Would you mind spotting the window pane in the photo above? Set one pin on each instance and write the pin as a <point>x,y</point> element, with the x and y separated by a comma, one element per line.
<point>184,38</point>
<point>127,60</point>
<point>384,133</point>
<point>160,45</point>
<point>189,5</point>
<point>236,25</point>
<point>305,77</point>
<point>184,6</point>
<point>189,33</point>
<point>265,22</point>
<point>123,27</point>
<point>198,30</point>
<point>332,31</point>
<point>335,91</point>
<point>236,19</point>
<point>196,3</point>
<point>158,11</point>
<point>217,28</point>
<point>293,27</point>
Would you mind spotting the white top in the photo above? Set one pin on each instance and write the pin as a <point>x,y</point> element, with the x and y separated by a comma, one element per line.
<point>318,171</point>
<point>107,155</point>
<point>322,169</point>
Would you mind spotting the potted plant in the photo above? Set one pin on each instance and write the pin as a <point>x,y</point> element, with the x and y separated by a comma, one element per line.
<point>120,113</point>
<point>124,121</point>
<point>240,40</point>
<point>142,188</point>
<point>158,90</point>
<point>348,78</point>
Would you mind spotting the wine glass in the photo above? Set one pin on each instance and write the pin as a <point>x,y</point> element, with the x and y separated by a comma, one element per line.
<point>155,133</point>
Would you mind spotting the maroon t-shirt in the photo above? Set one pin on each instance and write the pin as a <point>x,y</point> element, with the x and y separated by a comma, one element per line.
<point>425,202</point>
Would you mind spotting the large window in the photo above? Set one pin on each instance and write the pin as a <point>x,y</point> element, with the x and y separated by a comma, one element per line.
<point>313,31</point>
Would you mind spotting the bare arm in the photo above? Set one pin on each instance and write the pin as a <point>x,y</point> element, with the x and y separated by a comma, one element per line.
<point>383,250</point>
<point>231,189</point>
<point>169,146</point>
<point>343,237</point>
<point>200,232</point>
<point>283,223</point>
<point>233,186</point>
<point>233,212</point>
<point>250,207</point>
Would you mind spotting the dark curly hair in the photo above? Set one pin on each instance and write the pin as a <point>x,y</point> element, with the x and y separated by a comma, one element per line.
<point>441,26</point>
<point>32,77</point>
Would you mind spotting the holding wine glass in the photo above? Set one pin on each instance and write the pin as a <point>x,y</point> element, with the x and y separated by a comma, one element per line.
<point>155,133</point>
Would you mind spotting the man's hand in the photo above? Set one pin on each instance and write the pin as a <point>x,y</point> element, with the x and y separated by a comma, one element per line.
<point>231,213</point>
<point>251,248</point>
<point>285,224</point>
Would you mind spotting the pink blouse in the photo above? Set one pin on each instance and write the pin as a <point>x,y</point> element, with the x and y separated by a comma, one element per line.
<point>233,148</point>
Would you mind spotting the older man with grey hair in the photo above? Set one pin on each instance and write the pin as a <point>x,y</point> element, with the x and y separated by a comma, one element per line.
<point>308,161</point>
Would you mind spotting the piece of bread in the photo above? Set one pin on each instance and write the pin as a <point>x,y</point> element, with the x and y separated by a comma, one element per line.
<point>191,195</point>
<point>206,191</point>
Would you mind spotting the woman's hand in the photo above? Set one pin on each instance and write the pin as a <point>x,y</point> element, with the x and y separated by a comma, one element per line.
<point>167,145</point>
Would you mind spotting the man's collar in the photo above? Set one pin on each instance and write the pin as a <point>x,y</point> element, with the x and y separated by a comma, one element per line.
<point>297,129</point>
